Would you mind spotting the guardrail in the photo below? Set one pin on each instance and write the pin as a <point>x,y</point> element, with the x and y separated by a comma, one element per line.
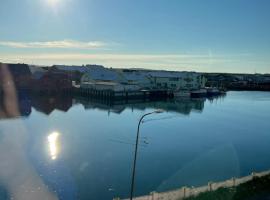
<point>186,192</point>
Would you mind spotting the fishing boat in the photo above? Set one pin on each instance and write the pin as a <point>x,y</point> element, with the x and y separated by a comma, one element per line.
<point>223,92</point>
<point>199,93</point>
<point>182,94</point>
<point>212,91</point>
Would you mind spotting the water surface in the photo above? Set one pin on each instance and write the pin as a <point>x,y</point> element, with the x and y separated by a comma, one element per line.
<point>83,149</point>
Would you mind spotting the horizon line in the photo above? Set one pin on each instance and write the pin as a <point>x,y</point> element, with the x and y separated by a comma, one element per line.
<point>132,68</point>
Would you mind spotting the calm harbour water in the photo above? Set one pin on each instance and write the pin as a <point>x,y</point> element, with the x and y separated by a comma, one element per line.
<point>193,142</point>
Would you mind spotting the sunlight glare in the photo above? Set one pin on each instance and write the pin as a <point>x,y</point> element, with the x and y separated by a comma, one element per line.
<point>53,145</point>
<point>53,3</point>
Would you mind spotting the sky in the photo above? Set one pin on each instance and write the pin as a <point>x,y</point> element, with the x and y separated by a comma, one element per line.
<point>190,35</point>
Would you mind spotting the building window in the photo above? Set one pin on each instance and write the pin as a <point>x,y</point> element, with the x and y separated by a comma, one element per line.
<point>188,79</point>
<point>173,79</point>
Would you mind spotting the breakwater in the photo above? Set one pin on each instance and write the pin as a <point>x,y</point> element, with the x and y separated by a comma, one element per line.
<point>186,192</point>
<point>249,88</point>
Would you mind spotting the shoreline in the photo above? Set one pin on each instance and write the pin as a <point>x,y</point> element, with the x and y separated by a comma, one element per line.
<point>193,192</point>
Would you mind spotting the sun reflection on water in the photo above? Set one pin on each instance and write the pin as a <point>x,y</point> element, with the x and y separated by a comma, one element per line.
<point>53,141</point>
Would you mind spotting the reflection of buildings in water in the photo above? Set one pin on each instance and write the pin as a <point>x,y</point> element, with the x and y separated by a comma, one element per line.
<point>216,98</point>
<point>23,103</point>
<point>103,105</point>
<point>47,105</point>
<point>183,106</point>
<point>44,104</point>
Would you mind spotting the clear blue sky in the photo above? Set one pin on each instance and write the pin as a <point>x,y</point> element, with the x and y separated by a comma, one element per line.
<point>201,35</point>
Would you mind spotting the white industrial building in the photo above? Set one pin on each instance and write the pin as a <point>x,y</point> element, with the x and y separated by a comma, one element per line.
<point>177,80</point>
<point>137,77</point>
<point>101,78</point>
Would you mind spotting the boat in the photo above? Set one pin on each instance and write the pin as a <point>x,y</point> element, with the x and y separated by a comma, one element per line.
<point>199,93</point>
<point>182,94</point>
<point>212,91</point>
<point>222,91</point>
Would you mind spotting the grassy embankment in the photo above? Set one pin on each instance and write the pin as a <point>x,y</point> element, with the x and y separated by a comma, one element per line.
<point>257,189</point>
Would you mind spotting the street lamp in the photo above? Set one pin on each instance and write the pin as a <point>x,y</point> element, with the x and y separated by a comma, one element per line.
<point>136,150</point>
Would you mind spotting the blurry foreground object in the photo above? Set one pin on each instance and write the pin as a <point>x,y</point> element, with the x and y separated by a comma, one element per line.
<point>17,175</point>
<point>8,97</point>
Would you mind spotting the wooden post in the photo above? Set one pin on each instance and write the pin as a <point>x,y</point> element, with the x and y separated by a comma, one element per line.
<point>233,179</point>
<point>210,186</point>
<point>253,174</point>
<point>154,195</point>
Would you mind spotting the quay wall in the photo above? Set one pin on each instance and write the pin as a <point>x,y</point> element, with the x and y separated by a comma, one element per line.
<point>186,192</point>
<point>116,95</point>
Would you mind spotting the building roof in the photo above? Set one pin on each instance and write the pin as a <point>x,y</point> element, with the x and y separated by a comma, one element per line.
<point>106,83</point>
<point>72,68</point>
<point>19,69</point>
<point>135,76</point>
<point>103,74</point>
<point>37,72</point>
<point>168,74</point>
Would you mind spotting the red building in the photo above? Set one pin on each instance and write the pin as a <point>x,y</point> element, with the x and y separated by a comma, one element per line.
<point>53,82</point>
